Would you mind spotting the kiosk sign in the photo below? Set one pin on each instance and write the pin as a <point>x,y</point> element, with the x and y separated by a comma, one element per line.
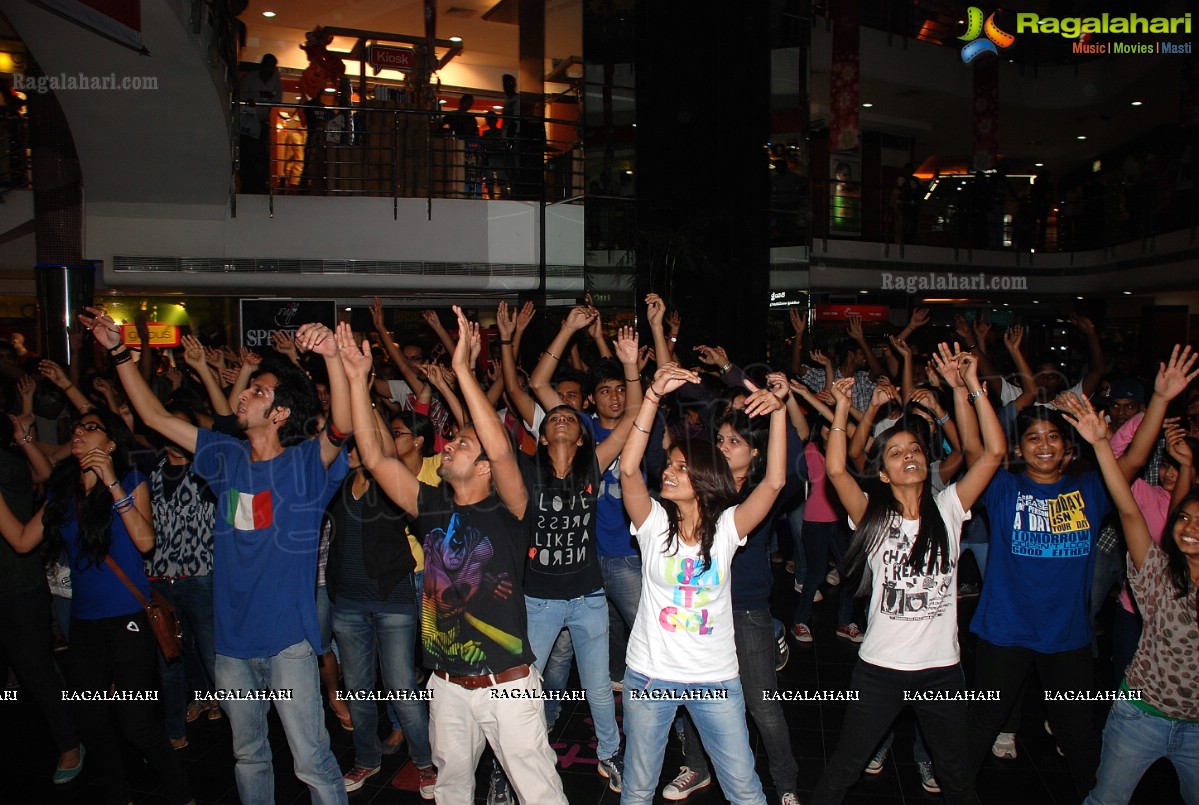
<point>383,57</point>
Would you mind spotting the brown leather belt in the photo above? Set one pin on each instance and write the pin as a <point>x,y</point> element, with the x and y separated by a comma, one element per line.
<point>485,680</point>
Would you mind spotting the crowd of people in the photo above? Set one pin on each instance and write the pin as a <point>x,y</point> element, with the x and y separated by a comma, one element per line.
<point>624,505</point>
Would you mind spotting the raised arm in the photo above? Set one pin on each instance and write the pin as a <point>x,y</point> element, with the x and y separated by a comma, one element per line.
<point>907,374</point>
<point>633,490</point>
<point>918,319</point>
<point>1172,379</point>
<point>798,324</point>
<point>1080,414</point>
<point>596,331</point>
<point>1180,450</point>
<point>141,397</point>
<point>884,393</point>
<point>980,471</point>
<point>395,479</point>
<point>858,334</point>
<point>655,314</point>
<point>392,351</point>
<point>434,321</point>
<point>319,338</point>
<point>193,356</point>
<point>1096,366</point>
<point>523,319</point>
<point>835,467</point>
<point>439,378</point>
<point>765,402</point>
<point>23,537</point>
<point>626,352</point>
<point>506,322</point>
<point>1028,386</point>
<point>579,318</point>
<point>55,374</point>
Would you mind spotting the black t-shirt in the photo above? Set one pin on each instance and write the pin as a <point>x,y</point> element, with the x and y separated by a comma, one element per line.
<point>562,562</point>
<point>474,611</point>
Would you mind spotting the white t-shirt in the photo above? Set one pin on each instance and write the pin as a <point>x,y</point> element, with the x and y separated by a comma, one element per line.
<point>684,627</point>
<point>913,620</point>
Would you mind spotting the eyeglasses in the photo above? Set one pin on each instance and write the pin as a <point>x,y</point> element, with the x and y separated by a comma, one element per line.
<point>90,427</point>
<point>398,432</point>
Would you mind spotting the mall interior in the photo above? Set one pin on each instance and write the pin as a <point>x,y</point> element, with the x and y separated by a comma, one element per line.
<point>742,160</point>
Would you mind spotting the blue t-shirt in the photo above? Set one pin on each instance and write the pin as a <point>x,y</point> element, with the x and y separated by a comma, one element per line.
<point>1041,561</point>
<point>612,522</point>
<point>96,592</point>
<point>268,523</point>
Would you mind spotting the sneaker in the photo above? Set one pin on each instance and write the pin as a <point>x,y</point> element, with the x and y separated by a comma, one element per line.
<point>818,597</point>
<point>799,587</point>
<point>969,590</point>
<point>356,776</point>
<point>926,777</point>
<point>876,764</point>
<point>612,770</point>
<point>833,578</point>
<point>428,780</point>
<point>782,651</point>
<point>850,632</point>
<point>1048,729</point>
<point>687,783</point>
<point>788,799</point>
<point>617,686</point>
<point>1005,746</point>
<point>499,792</point>
<point>801,633</point>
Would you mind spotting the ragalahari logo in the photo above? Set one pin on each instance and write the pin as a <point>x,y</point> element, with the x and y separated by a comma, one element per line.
<point>975,27</point>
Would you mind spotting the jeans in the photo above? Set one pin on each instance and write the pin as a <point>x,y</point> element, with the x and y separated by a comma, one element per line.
<point>880,700</point>
<point>753,631</point>
<point>1126,636</point>
<point>557,673</point>
<point>390,639</point>
<point>586,618</point>
<point>25,647</point>
<point>294,669</point>
<point>192,599</point>
<point>818,540</point>
<point>1109,572</point>
<point>622,583</point>
<point>1003,669</point>
<point>1132,741</point>
<point>121,652</point>
<point>721,724</point>
<point>976,539</point>
<point>795,521</point>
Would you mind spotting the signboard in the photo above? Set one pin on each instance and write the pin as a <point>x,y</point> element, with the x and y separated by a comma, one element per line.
<point>869,313</point>
<point>161,335</point>
<point>262,318</point>
<point>790,298</point>
<point>388,57</point>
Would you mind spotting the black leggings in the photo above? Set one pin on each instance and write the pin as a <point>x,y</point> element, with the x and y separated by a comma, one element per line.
<point>880,699</point>
<point>121,653</point>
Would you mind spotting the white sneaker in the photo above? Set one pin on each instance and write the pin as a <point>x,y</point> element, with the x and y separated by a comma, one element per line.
<point>685,784</point>
<point>833,578</point>
<point>1005,746</point>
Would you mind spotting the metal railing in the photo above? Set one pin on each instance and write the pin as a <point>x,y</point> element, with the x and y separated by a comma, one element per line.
<point>399,153</point>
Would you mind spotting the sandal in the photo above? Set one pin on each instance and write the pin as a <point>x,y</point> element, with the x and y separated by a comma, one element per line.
<point>63,776</point>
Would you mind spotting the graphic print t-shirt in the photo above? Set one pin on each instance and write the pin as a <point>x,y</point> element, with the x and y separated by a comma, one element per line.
<point>268,525</point>
<point>1041,561</point>
<point>563,562</point>
<point>473,621</point>
<point>684,627</point>
<point>913,620</point>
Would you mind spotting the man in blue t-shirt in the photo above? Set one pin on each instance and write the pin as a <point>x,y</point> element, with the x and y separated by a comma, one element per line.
<point>272,489</point>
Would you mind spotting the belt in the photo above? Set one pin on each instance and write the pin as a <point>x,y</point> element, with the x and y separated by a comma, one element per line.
<point>485,680</point>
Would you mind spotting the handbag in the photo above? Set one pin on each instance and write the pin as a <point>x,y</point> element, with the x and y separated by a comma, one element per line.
<point>162,616</point>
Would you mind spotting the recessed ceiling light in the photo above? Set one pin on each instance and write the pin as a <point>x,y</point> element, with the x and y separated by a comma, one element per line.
<point>1038,164</point>
<point>1036,301</point>
<point>499,106</point>
<point>1136,103</point>
<point>441,101</point>
<point>867,105</point>
<point>863,291</point>
<point>455,39</point>
<point>330,89</point>
<point>1128,293</point>
<point>1078,297</point>
<point>268,13</point>
<point>1081,137</point>
<point>347,310</point>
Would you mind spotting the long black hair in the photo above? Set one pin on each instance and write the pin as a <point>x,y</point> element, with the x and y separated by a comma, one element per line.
<point>91,511</point>
<point>930,551</point>
<point>582,468</point>
<point>755,437</point>
<point>715,491</point>
<point>1176,561</point>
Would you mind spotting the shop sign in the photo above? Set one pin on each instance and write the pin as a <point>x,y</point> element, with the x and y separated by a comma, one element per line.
<point>869,313</point>
<point>161,335</point>
<point>384,57</point>
<point>262,318</point>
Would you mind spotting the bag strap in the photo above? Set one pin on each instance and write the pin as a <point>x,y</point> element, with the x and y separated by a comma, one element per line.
<point>115,568</point>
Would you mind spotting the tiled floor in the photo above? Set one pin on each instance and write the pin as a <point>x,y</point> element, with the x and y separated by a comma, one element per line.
<point>1038,775</point>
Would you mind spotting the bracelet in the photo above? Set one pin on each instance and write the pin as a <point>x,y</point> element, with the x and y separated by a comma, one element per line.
<point>974,395</point>
<point>943,419</point>
<point>552,355</point>
<point>656,394</point>
<point>638,427</point>
<point>124,504</point>
<point>633,379</point>
<point>971,347</point>
<point>121,357</point>
<point>118,346</point>
<point>336,437</point>
<point>674,339</point>
<point>114,483</point>
<point>27,438</point>
<point>505,341</point>
<point>834,430</point>
<point>68,386</point>
<point>726,367</point>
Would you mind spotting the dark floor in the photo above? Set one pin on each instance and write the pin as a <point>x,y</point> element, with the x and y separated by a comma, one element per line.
<point>1038,775</point>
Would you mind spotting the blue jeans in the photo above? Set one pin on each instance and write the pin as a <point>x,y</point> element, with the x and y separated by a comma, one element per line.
<point>721,725</point>
<point>1132,741</point>
<point>390,639</point>
<point>303,718</point>
<point>557,672</point>
<point>587,619</point>
<point>622,583</point>
<point>192,599</point>
<point>798,556</point>
<point>818,540</point>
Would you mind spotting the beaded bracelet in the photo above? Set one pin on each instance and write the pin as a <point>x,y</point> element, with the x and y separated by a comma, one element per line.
<point>121,357</point>
<point>124,504</point>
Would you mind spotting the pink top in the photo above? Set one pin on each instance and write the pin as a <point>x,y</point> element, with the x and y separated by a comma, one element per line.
<point>820,508</point>
<point>1154,503</point>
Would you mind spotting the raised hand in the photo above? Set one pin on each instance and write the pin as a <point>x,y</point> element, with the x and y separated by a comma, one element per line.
<point>102,327</point>
<point>671,376</point>
<point>968,369</point>
<point>442,378</point>
<point>1177,445</point>
<point>249,358</point>
<point>981,328</point>
<point>579,318</point>
<point>854,327</point>
<point>934,377</point>
<point>175,377</point>
<point>505,321</point>
<point>946,362</point>
<point>901,347</point>
<point>644,356</point>
<point>284,344</point>
<point>193,353</point>
<point>1080,413</point>
<point>229,377</point>
<point>468,331</point>
<point>777,383</point>
<point>431,318</point>
<point>819,358</point>
<point>596,328</point>
<point>929,400</point>
<point>52,371</point>
<point>626,345</point>
<point>525,317</point>
<point>357,360</point>
<point>316,337</point>
<point>674,321</point>
<point>1085,325</point>
<point>883,394</point>
<point>25,388</point>
<point>1012,337</point>
<point>655,310</point>
<point>761,401</point>
<point>215,358</point>
<point>713,356</point>
<point>825,396</point>
<point>377,315</point>
<point>919,318</point>
<point>1175,375</point>
<point>798,322</point>
<point>842,391</point>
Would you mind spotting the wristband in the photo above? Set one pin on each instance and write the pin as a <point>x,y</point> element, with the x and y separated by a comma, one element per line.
<point>118,346</point>
<point>121,357</point>
<point>505,341</point>
<point>124,504</point>
<point>632,380</point>
<point>336,437</point>
<point>656,395</point>
<point>941,421</point>
<point>726,367</point>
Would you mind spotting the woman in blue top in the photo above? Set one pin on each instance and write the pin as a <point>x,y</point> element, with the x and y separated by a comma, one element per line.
<point>98,507</point>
